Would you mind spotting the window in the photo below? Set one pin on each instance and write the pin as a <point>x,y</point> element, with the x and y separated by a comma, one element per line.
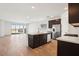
<point>18,28</point>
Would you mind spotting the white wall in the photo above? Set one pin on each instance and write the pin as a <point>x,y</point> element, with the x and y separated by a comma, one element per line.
<point>0,27</point>
<point>33,27</point>
<point>8,28</point>
<point>73,30</point>
<point>5,28</point>
<point>77,29</point>
<point>64,22</point>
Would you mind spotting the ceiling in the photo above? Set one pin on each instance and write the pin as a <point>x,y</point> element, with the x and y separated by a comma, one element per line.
<point>23,12</point>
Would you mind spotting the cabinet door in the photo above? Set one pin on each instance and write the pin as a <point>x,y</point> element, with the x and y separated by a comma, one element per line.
<point>30,40</point>
<point>43,39</point>
<point>40,39</point>
<point>73,12</point>
<point>36,41</point>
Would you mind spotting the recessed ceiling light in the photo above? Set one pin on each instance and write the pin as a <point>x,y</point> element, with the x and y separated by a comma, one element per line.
<point>33,7</point>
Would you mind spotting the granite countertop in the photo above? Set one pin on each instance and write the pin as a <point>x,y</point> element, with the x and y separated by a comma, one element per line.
<point>69,39</point>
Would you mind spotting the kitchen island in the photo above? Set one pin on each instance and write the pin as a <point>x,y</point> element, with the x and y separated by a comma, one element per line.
<point>36,40</point>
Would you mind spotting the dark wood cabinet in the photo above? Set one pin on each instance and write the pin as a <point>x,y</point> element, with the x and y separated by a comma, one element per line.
<point>67,49</point>
<point>73,9</point>
<point>53,22</point>
<point>37,40</point>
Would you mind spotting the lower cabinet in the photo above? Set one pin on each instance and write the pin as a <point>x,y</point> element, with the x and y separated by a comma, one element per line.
<point>37,40</point>
<point>67,49</point>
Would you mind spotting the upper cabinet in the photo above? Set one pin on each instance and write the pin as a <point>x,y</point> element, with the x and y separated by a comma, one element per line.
<point>52,22</point>
<point>73,12</point>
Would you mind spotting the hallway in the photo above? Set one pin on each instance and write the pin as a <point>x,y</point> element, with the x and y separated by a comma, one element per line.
<point>17,45</point>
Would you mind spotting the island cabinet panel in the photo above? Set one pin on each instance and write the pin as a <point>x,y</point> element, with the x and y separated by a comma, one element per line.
<point>37,40</point>
<point>67,48</point>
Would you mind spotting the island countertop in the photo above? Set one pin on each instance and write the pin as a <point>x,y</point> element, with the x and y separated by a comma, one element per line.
<point>39,33</point>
